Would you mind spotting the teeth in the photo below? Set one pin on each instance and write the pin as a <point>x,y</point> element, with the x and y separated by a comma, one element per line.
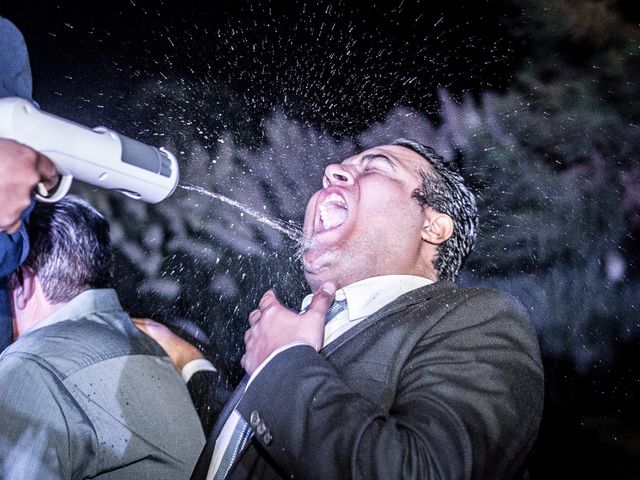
<point>335,199</point>
<point>333,211</point>
<point>324,218</point>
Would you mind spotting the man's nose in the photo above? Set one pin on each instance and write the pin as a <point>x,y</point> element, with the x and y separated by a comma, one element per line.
<point>337,174</point>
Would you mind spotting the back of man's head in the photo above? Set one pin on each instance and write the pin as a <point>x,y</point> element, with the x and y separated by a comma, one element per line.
<point>444,190</point>
<point>70,248</point>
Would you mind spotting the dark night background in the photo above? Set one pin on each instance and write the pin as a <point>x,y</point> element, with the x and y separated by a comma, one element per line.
<point>536,100</point>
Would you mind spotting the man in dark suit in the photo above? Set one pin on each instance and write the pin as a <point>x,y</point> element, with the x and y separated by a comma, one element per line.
<point>415,377</point>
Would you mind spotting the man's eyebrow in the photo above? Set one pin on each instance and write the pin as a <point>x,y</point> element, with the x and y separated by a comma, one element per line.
<point>375,156</point>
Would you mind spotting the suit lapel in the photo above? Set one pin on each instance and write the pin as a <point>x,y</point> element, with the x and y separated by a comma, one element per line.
<point>228,407</point>
<point>202,467</point>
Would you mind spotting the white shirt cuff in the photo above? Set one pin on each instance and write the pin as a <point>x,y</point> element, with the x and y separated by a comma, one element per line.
<point>197,365</point>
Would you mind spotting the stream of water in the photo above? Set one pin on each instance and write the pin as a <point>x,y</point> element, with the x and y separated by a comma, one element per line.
<point>292,231</point>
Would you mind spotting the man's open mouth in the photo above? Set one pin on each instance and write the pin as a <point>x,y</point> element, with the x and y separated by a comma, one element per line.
<point>333,212</point>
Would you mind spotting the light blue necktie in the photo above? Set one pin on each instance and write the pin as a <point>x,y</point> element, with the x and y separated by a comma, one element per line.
<point>241,435</point>
<point>336,307</point>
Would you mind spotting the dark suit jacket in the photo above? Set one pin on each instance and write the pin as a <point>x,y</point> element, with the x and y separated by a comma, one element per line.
<point>209,391</point>
<point>443,382</point>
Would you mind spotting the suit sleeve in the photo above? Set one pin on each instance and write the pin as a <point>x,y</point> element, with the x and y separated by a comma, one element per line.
<point>43,434</point>
<point>466,404</point>
<point>209,392</point>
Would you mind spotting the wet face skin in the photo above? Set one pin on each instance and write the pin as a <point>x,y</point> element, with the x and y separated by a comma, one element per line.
<point>364,223</point>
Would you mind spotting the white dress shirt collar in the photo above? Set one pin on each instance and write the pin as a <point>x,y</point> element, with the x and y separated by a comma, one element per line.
<point>371,294</point>
<point>366,297</point>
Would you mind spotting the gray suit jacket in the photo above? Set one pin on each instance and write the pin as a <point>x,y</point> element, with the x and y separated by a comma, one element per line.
<point>441,383</point>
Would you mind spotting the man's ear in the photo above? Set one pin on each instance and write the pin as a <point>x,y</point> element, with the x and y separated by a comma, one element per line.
<point>437,227</point>
<point>23,292</point>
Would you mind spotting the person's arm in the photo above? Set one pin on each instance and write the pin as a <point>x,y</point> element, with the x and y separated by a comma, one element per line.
<point>42,433</point>
<point>467,403</point>
<point>208,388</point>
<point>21,169</point>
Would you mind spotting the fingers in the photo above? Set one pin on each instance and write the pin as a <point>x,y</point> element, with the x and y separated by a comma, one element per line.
<point>145,324</point>
<point>159,332</point>
<point>247,337</point>
<point>322,299</point>
<point>268,302</point>
<point>21,168</point>
<point>263,325</point>
<point>47,171</point>
<point>140,323</point>
<point>248,361</point>
<point>244,362</point>
<point>267,299</point>
<point>14,198</point>
<point>254,317</point>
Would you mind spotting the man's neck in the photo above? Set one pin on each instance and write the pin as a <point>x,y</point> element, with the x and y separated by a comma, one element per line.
<point>431,278</point>
<point>37,310</point>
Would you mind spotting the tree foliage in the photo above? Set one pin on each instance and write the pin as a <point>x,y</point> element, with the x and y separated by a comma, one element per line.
<point>553,161</point>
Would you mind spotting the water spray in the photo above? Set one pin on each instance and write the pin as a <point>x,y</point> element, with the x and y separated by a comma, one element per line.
<point>291,231</point>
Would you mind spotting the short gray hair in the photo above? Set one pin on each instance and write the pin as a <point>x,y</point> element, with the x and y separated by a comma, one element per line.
<point>70,249</point>
<point>443,189</point>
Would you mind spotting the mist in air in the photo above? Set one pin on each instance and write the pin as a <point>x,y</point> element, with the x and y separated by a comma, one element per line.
<point>537,104</point>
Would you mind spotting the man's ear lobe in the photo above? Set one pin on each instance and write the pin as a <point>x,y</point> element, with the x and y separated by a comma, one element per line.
<point>437,228</point>
<point>23,292</point>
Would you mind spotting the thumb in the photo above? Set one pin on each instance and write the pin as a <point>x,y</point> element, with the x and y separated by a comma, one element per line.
<point>322,299</point>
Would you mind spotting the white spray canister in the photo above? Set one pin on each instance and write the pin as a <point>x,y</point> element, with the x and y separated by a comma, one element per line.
<point>97,156</point>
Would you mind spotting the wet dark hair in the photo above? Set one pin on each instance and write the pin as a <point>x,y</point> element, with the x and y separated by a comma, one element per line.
<point>70,249</point>
<point>443,189</point>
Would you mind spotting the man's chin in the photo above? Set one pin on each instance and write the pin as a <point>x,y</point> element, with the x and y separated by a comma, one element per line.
<point>310,268</point>
<point>317,268</point>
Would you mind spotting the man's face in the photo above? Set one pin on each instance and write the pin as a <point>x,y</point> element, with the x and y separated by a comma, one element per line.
<point>363,222</point>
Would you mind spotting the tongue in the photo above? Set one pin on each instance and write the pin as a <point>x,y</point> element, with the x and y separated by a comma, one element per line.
<point>333,216</point>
